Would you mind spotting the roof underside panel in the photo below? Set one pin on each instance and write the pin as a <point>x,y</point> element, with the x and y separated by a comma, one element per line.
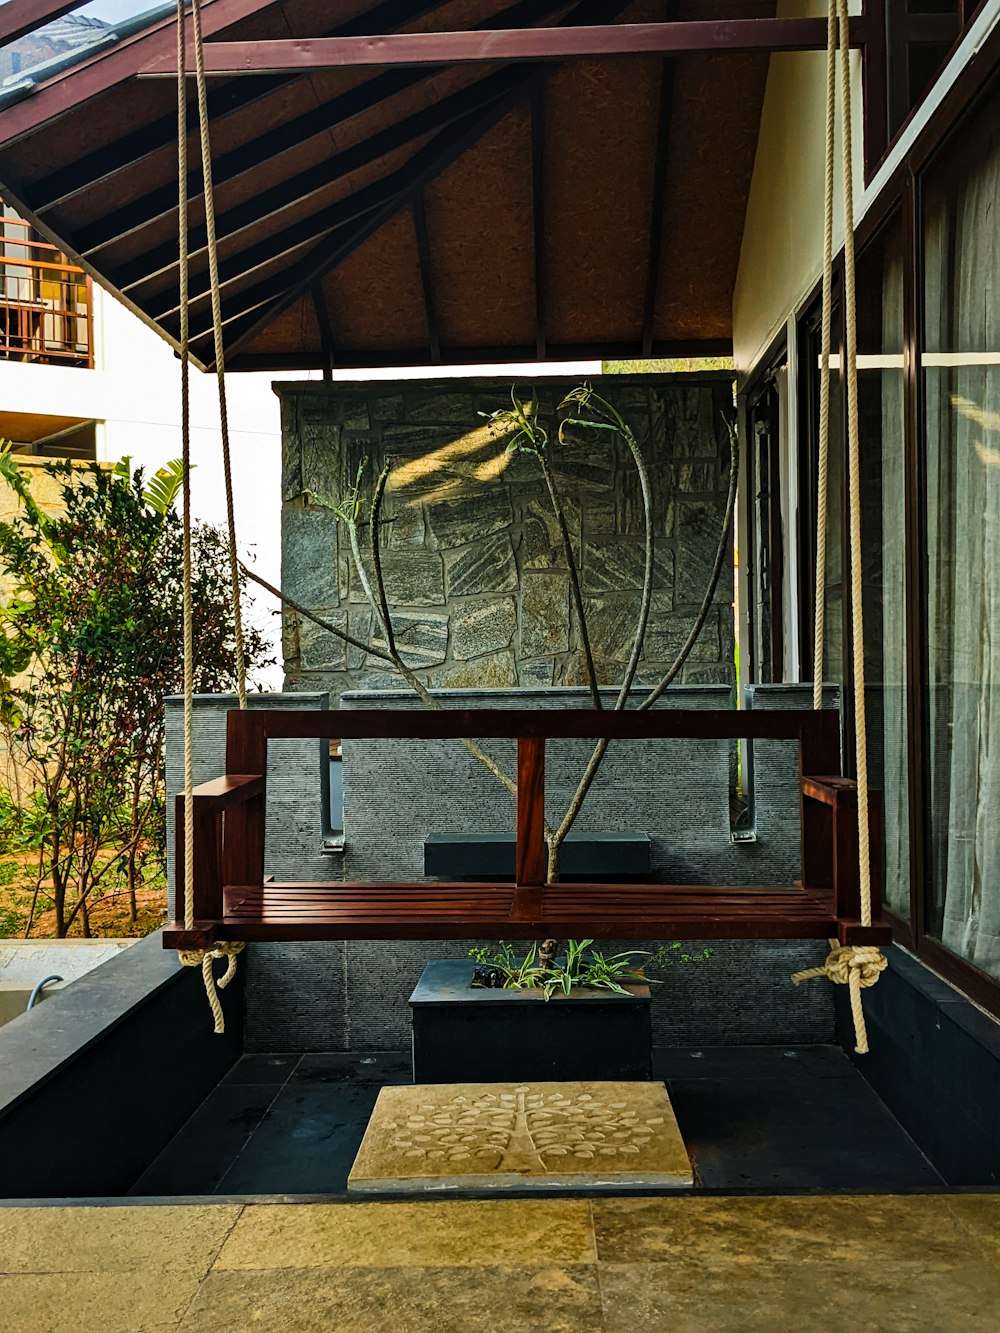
<point>424,213</point>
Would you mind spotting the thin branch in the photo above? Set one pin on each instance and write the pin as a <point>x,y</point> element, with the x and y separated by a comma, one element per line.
<point>380,607</point>
<point>574,577</point>
<point>600,749</point>
<point>306,614</point>
<point>724,549</point>
<point>376,512</point>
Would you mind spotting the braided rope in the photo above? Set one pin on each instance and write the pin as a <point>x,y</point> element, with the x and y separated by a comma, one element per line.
<point>220,361</point>
<point>856,966</point>
<point>203,958</point>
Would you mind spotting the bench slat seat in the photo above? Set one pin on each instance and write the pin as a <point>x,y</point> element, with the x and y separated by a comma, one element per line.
<point>234,901</point>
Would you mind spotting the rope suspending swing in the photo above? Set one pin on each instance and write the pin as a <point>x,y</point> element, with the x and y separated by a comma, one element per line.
<point>757,914</point>
<point>203,958</point>
<point>856,966</point>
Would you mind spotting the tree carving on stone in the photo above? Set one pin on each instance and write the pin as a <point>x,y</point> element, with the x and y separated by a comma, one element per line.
<point>525,1130</point>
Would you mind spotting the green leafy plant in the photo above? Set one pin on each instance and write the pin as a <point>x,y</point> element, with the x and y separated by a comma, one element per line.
<point>582,968</point>
<point>90,644</point>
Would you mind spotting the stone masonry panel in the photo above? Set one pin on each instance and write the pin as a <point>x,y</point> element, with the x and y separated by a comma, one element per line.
<point>474,561</point>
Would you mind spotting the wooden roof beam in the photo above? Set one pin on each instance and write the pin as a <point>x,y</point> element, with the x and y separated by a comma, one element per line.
<point>66,92</point>
<point>294,191</point>
<point>286,287</point>
<point>310,185</point>
<point>97,168</point>
<point>569,43</point>
<point>325,330</point>
<point>426,276</point>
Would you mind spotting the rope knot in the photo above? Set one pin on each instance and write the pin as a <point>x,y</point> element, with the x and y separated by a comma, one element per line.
<point>205,958</point>
<point>842,961</point>
<point>855,966</point>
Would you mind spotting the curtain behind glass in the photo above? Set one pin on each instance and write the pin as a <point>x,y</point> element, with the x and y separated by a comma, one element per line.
<point>962,302</point>
<point>880,397</point>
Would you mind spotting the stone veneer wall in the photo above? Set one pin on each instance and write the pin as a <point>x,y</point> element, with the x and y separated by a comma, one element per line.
<point>474,566</point>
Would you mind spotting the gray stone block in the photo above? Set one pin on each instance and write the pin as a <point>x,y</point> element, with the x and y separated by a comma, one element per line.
<point>422,640</point>
<point>544,613</point>
<point>485,566</point>
<point>456,522</point>
<point>484,627</point>
<point>411,577</point>
<point>619,566</point>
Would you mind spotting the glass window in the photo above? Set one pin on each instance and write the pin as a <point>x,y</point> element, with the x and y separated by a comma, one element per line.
<point>961,369</point>
<point>765,558</point>
<point>880,404</point>
<point>71,38</point>
<point>811,342</point>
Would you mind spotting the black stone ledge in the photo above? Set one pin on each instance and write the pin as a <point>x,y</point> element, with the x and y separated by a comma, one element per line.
<point>491,856</point>
<point>934,1059</point>
<point>130,1045</point>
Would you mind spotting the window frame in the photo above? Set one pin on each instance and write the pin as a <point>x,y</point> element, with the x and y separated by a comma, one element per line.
<point>976,83</point>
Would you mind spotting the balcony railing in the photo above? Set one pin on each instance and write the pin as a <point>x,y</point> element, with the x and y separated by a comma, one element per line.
<point>45,306</point>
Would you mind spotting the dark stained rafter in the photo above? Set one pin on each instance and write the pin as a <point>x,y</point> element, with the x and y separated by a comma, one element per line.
<point>255,153</point>
<point>280,238</point>
<point>426,275</point>
<point>538,212</point>
<point>311,183</point>
<point>290,284</point>
<point>658,204</point>
<point>274,295</point>
<point>295,191</point>
<point>446,48</point>
<point>325,329</point>
<point>133,149</point>
<point>282,362</point>
<point>154,263</point>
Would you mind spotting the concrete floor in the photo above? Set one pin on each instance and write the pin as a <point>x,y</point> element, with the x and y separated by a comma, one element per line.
<point>921,1262</point>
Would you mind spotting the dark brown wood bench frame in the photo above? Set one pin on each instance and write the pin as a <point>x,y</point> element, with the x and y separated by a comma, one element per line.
<point>232,901</point>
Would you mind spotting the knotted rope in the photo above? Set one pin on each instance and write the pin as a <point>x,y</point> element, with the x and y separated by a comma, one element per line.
<point>203,958</point>
<point>856,966</point>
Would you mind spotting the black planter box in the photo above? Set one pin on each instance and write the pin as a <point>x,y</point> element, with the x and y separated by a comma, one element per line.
<point>466,1035</point>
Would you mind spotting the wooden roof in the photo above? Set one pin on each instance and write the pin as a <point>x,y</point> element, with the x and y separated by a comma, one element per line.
<point>419,214</point>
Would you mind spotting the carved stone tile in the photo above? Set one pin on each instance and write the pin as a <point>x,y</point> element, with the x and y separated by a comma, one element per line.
<point>499,1136</point>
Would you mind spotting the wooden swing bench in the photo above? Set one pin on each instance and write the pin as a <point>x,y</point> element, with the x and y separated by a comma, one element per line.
<point>234,902</point>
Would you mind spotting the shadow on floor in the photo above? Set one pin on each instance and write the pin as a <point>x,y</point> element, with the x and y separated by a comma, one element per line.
<point>753,1118</point>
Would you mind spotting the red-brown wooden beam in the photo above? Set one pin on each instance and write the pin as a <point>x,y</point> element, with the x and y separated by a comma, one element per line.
<point>447,48</point>
<point>531,852</point>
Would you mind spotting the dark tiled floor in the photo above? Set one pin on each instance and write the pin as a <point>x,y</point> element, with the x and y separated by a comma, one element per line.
<point>753,1118</point>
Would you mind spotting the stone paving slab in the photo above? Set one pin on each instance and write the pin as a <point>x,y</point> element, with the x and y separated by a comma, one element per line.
<point>502,1136</point>
<point>687,1263</point>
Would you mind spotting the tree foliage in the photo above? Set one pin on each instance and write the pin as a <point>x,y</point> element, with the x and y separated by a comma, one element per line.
<point>90,643</point>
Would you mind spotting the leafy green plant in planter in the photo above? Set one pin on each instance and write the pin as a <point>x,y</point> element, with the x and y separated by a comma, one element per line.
<point>583,968</point>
